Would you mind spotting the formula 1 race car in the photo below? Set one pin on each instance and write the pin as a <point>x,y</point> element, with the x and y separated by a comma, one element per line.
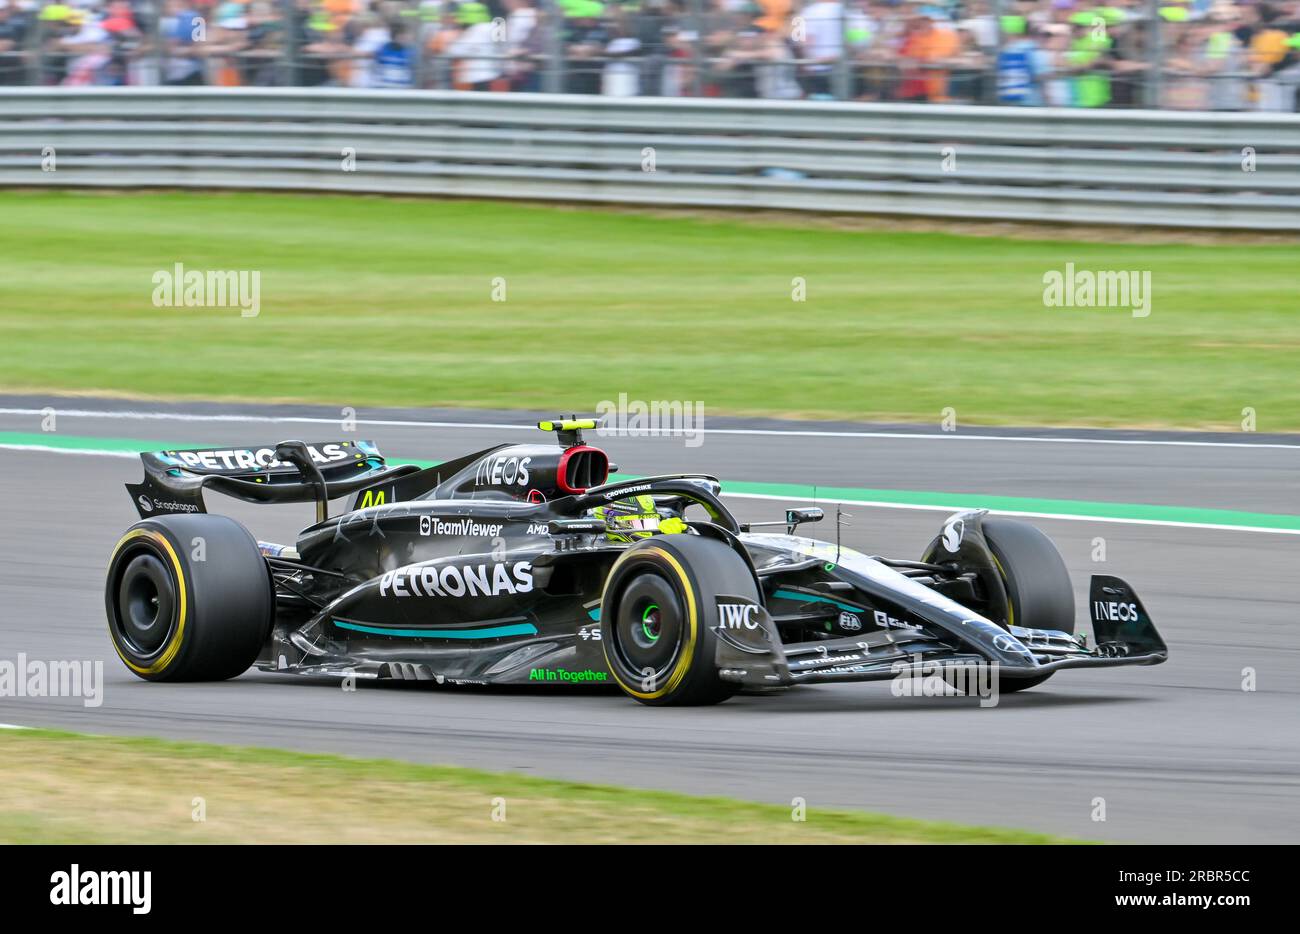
<point>519,564</point>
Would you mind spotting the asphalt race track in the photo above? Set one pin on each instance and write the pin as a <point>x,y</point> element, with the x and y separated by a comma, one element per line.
<point>1179,752</point>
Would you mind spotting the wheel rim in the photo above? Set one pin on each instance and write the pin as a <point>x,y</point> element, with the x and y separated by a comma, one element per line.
<point>146,606</point>
<point>650,623</point>
<point>648,627</point>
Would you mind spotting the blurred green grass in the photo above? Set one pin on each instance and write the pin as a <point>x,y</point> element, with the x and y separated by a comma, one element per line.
<point>370,301</point>
<point>67,788</point>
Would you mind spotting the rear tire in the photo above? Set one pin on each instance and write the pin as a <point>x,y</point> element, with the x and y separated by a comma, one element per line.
<point>189,598</point>
<point>658,616</point>
<point>1039,592</point>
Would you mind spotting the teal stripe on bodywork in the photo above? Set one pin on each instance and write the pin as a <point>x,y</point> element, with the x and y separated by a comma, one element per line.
<point>813,598</point>
<point>485,632</point>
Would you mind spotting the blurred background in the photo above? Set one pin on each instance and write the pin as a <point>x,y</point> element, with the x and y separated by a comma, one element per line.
<point>1228,55</point>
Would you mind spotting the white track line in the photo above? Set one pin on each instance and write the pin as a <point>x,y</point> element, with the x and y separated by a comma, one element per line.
<point>13,726</point>
<point>759,432</point>
<point>823,499</point>
<point>1068,517</point>
<point>46,449</point>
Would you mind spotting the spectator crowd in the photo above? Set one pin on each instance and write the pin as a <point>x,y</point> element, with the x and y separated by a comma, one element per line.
<point>1178,54</point>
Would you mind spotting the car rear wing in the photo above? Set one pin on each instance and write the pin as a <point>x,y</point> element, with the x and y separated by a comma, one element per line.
<point>288,472</point>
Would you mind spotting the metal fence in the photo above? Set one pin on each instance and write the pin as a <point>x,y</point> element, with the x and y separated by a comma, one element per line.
<point>1030,53</point>
<point>1113,167</point>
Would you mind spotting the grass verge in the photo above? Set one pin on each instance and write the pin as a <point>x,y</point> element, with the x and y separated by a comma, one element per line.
<point>60,787</point>
<point>371,301</point>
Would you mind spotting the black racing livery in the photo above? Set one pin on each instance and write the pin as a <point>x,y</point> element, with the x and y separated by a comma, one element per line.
<point>505,567</point>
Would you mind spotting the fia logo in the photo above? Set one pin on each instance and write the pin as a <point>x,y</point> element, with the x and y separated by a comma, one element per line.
<point>850,622</point>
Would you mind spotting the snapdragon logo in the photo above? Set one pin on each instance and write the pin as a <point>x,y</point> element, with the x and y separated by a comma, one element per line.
<point>230,288</point>
<point>35,678</point>
<point>636,418</point>
<point>1108,288</point>
<point>80,886</point>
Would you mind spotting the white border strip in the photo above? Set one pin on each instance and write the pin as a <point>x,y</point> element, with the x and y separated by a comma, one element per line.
<point>49,449</point>
<point>42,449</point>
<point>1029,515</point>
<point>759,432</point>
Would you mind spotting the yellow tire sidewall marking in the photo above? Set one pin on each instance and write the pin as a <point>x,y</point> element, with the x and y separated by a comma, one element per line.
<point>174,646</point>
<point>684,662</point>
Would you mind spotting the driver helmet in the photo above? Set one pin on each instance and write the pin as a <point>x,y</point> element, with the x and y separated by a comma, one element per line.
<point>629,519</point>
<point>634,518</point>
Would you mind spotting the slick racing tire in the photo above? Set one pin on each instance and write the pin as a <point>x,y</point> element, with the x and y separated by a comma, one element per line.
<point>659,613</point>
<point>1039,591</point>
<point>189,598</point>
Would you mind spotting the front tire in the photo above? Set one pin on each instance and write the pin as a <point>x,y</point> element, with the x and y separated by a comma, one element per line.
<point>1039,592</point>
<point>1037,583</point>
<point>659,613</point>
<point>188,598</point>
